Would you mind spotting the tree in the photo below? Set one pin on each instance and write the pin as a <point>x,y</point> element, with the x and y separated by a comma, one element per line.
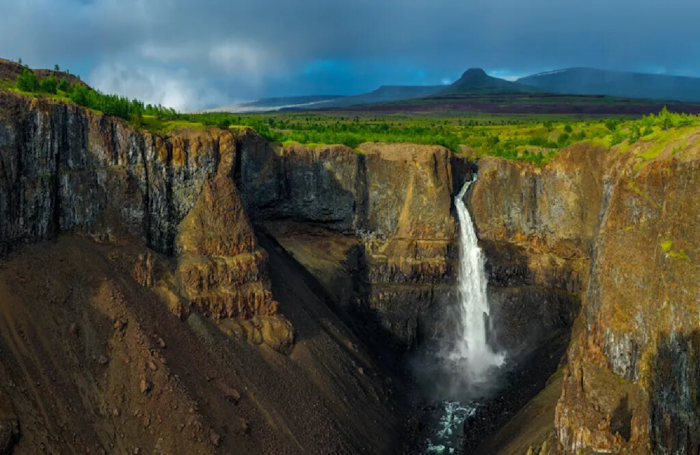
<point>56,68</point>
<point>666,119</point>
<point>79,94</point>
<point>563,139</point>
<point>27,81</point>
<point>20,60</point>
<point>49,84</point>
<point>635,133</point>
<point>63,85</point>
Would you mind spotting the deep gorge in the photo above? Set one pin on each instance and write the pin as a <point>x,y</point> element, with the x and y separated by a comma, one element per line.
<point>207,290</point>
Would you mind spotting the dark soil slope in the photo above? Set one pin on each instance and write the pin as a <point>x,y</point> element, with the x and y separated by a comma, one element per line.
<point>92,362</point>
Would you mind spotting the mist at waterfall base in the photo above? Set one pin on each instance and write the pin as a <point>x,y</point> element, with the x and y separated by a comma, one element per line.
<point>459,369</point>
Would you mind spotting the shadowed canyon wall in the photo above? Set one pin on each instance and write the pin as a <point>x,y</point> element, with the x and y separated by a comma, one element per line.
<point>138,222</point>
<point>66,170</point>
<point>376,226</point>
<point>138,313</point>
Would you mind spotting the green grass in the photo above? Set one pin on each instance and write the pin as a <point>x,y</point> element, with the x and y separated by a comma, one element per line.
<point>534,138</point>
<point>165,126</point>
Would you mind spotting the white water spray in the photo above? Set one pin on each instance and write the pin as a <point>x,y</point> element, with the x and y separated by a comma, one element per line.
<point>470,352</point>
<point>468,366</point>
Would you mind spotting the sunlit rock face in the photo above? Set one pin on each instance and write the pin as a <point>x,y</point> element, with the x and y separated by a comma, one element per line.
<point>377,226</point>
<point>616,232</point>
<point>537,225</point>
<point>610,232</point>
<point>632,381</point>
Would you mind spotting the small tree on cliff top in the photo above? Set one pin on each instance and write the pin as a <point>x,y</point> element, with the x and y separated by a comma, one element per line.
<point>49,84</point>
<point>27,81</point>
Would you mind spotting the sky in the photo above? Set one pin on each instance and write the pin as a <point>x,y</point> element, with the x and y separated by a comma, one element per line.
<point>196,54</point>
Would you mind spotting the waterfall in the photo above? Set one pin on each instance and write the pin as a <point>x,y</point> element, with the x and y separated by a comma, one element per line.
<point>467,367</point>
<point>470,352</point>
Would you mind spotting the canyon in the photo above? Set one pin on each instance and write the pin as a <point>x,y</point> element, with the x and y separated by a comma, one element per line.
<point>207,291</point>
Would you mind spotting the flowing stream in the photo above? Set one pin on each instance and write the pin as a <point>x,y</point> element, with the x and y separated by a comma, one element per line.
<point>467,356</point>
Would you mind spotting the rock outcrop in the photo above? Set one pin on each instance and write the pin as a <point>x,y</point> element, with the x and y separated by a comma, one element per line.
<point>374,224</point>
<point>632,381</point>
<point>66,169</point>
<point>537,226</point>
<point>613,231</point>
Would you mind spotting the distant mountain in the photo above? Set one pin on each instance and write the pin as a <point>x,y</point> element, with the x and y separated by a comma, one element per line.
<point>275,104</point>
<point>476,81</point>
<point>589,81</point>
<point>384,94</point>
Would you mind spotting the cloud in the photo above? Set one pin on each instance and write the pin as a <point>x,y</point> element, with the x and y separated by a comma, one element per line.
<point>245,49</point>
<point>154,86</point>
<point>236,58</point>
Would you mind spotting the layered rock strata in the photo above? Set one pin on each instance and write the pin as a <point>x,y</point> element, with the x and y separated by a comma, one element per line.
<point>66,169</point>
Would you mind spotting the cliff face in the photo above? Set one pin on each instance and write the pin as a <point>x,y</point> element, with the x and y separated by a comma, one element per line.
<point>150,222</point>
<point>537,227</point>
<point>374,225</point>
<point>105,232</point>
<point>615,232</point>
<point>67,170</point>
<point>632,381</point>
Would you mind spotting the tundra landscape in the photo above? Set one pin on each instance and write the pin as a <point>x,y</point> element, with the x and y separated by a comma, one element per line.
<point>204,252</point>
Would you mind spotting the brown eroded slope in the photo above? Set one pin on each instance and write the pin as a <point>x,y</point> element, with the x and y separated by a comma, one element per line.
<point>139,311</point>
<point>92,360</point>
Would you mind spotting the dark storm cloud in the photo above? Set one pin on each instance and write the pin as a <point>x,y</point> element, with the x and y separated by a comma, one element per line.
<point>192,54</point>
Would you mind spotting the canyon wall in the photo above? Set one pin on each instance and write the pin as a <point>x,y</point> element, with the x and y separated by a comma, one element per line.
<point>138,310</point>
<point>170,220</point>
<point>537,225</point>
<point>616,232</point>
<point>68,170</point>
<point>374,225</point>
<point>632,381</point>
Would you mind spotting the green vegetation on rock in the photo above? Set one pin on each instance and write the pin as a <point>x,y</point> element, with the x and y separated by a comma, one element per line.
<point>531,138</point>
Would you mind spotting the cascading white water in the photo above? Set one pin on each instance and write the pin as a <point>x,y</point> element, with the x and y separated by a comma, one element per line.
<point>467,366</point>
<point>470,351</point>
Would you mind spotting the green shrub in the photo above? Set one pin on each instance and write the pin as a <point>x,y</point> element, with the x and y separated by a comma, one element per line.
<point>611,124</point>
<point>27,81</point>
<point>635,133</point>
<point>49,84</point>
<point>79,95</point>
<point>617,138</point>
